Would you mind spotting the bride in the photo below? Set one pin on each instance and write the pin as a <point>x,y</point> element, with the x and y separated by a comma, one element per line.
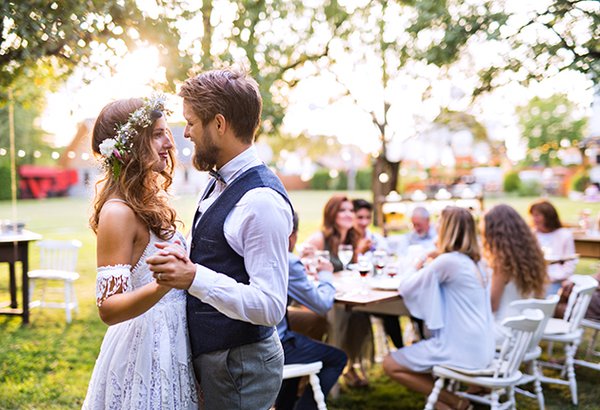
<point>144,360</point>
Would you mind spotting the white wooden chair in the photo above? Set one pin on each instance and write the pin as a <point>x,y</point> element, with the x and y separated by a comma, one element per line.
<point>569,332</point>
<point>503,374</point>
<point>58,260</point>
<point>591,351</point>
<point>534,352</point>
<point>311,370</point>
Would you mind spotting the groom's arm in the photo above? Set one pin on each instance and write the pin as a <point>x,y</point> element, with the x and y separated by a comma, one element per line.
<point>258,229</point>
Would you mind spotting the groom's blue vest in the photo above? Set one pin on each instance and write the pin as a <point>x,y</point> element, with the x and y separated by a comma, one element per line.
<point>209,329</point>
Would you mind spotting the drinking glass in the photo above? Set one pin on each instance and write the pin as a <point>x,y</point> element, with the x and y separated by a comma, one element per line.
<point>391,269</point>
<point>345,253</point>
<point>322,254</point>
<point>310,263</point>
<point>364,267</point>
<point>379,260</point>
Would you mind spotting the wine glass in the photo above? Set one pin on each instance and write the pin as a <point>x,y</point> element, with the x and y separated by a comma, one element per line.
<point>364,267</point>
<point>322,254</point>
<point>391,269</point>
<point>345,253</point>
<point>379,260</point>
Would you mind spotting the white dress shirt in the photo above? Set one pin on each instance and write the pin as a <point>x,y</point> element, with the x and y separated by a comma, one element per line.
<point>258,229</point>
<point>558,243</point>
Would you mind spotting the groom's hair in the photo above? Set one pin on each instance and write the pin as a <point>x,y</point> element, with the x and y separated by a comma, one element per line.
<point>228,92</point>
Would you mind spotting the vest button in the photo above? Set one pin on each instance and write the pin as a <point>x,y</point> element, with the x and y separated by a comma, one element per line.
<point>193,245</point>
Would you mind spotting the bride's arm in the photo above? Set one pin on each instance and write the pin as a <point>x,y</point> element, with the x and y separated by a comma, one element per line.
<point>116,235</point>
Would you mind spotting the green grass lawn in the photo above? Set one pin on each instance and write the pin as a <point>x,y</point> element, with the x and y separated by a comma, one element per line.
<point>47,364</point>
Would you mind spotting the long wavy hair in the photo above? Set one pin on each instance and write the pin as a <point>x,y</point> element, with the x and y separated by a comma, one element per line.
<point>548,211</point>
<point>143,189</point>
<point>457,233</point>
<point>512,250</point>
<point>331,233</point>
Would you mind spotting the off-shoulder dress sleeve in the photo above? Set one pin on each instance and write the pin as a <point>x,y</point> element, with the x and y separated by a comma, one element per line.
<point>111,280</point>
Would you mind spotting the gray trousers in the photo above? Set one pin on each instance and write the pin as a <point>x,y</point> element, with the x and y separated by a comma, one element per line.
<point>247,377</point>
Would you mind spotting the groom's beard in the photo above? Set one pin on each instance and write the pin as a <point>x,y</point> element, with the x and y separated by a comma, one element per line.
<point>206,153</point>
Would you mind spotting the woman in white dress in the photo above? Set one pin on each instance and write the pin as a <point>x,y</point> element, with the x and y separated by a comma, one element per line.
<point>144,360</point>
<point>451,295</point>
<point>516,260</point>
<point>555,241</point>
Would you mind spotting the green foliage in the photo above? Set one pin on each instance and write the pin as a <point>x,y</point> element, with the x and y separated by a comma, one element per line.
<point>321,180</point>
<point>6,180</point>
<point>530,188</point>
<point>63,34</point>
<point>512,182</point>
<point>580,181</point>
<point>364,179</point>
<point>546,122</point>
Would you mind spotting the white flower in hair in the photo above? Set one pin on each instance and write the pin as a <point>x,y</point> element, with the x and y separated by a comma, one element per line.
<point>107,147</point>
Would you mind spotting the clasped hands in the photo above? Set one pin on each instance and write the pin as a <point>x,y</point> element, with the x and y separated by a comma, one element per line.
<point>171,266</point>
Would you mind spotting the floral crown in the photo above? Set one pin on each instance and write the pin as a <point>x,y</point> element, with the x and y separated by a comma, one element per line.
<point>116,150</point>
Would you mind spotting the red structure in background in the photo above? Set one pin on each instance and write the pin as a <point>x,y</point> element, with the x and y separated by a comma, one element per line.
<point>42,182</point>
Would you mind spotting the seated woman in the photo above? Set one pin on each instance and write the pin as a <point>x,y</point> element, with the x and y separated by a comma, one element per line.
<point>353,328</point>
<point>516,259</point>
<point>451,295</point>
<point>555,241</point>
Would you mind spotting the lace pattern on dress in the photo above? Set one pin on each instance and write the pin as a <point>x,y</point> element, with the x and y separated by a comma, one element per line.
<point>111,280</point>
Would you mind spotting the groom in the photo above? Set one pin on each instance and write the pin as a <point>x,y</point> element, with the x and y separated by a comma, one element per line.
<point>237,271</point>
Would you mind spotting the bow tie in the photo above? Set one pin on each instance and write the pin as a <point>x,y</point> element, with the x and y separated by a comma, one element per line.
<point>217,176</point>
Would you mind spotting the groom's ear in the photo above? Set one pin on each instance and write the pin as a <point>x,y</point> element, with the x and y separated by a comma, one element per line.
<point>220,123</point>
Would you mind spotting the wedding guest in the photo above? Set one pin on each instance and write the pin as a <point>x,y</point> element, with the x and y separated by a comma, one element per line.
<point>363,217</point>
<point>555,241</point>
<point>353,328</point>
<point>423,232</point>
<point>516,260</point>
<point>457,312</point>
<point>299,348</point>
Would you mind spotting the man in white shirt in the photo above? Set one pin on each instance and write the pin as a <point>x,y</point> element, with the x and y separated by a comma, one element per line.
<point>237,270</point>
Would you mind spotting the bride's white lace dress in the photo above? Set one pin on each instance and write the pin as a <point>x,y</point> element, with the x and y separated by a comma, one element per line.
<point>144,362</point>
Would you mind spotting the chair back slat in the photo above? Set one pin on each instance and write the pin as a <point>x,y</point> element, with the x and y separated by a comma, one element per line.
<point>522,329</point>
<point>579,300</point>
<point>547,306</point>
<point>59,255</point>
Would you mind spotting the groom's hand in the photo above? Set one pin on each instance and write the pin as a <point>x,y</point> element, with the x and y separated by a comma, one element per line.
<point>171,266</point>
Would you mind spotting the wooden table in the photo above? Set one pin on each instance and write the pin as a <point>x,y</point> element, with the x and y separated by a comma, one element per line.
<point>349,297</point>
<point>15,248</point>
<point>587,246</point>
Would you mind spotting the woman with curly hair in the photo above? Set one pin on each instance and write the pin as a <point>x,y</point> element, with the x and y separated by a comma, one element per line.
<point>554,240</point>
<point>516,259</point>
<point>144,360</point>
<point>353,328</point>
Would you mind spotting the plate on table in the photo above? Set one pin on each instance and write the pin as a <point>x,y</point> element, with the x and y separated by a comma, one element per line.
<point>552,259</point>
<point>385,283</point>
<point>354,266</point>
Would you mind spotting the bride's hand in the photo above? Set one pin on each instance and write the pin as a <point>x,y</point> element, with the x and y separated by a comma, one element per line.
<point>175,249</point>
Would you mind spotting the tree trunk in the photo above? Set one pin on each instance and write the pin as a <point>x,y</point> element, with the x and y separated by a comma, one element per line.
<point>381,189</point>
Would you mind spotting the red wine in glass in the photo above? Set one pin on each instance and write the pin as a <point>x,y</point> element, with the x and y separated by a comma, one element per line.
<point>391,274</point>
<point>363,272</point>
